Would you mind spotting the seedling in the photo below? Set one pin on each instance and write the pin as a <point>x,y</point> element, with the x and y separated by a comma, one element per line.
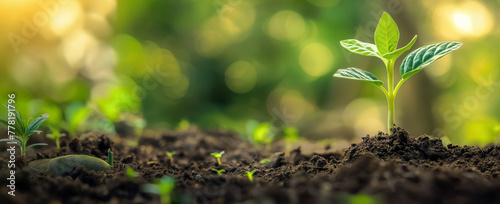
<point>265,161</point>
<point>171,156</point>
<point>183,125</point>
<point>219,172</point>
<point>218,156</point>
<point>22,129</point>
<point>250,175</point>
<point>163,187</point>
<point>386,41</point>
<point>56,135</point>
<point>263,133</point>
<point>110,158</point>
<point>131,173</point>
<point>75,114</point>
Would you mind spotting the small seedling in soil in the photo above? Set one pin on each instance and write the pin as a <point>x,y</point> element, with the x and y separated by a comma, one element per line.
<point>385,48</point>
<point>23,129</point>
<point>250,175</point>
<point>75,114</point>
<point>218,156</point>
<point>183,125</point>
<point>56,135</point>
<point>219,172</point>
<point>163,187</point>
<point>265,161</point>
<point>171,156</point>
<point>63,165</point>
<point>110,158</point>
<point>131,173</point>
<point>263,134</point>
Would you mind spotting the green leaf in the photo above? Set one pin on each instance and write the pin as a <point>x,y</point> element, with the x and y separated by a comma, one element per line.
<point>361,48</point>
<point>36,123</point>
<point>4,122</point>
<point>36,144</point>
<point>358,74</point>
<point>386,35</point>
<point>19,121</point>
<point>396,53</point>
<point>422,57</point>
<point>9,140</point>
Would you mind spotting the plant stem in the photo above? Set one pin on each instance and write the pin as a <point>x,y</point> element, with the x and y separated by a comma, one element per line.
<point>57,144</point>
<point>218,160</point>
<point>391,94</point>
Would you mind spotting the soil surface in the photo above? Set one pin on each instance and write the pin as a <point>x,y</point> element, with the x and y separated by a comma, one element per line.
<point>393,168</point>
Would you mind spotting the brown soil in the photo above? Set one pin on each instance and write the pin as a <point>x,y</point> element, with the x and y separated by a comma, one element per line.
<point>395,169</point>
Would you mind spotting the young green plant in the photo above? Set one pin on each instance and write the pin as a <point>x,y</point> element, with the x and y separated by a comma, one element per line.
<point>110,158</point>
<point>219,172</point>
<point>56,135</point>
<point>23,129</point>
<point>171,156</point>
<point>265,161</point>
<point>218,156</point>
<point>163,187</point>
<point>385,48</point>
<point>250,175</point>
<point>131,173</point>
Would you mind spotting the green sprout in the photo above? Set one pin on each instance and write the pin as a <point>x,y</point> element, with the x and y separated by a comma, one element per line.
<point>263,134</point>
<point>219,172</point>
<point>163,187</point>
<point>56,135</point>
<point>183,125</point>
<point>110,158</point>
<point>131,173</point>
<point>265,161</point>
<point>218,156</point>
<point>171,156</point>
<point>22,129</point>
<point>385,48</point>
<point>250,175</point>
<point>75,114</point>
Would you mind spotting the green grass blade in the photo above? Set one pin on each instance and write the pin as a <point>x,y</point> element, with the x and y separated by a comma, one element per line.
<point>36,123</point>
<point>4,122</point>
<point>36,144</point>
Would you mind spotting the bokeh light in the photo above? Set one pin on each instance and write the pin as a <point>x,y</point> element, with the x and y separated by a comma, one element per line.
<point>241,77</point>
<point>316,59</point>
<point>468,19</point>
<point>286,25</point>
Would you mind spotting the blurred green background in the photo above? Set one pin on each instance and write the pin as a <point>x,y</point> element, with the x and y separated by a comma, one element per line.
<point>222,63</point>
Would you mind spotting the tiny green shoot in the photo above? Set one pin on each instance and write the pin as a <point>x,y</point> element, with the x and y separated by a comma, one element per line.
<point>22,129</point>
<point>219,172</point>
<point>250,175</point>
<point>265,161</point>
<point>171,156</point>
<point>218,156</point>
<point>131,173</point>
<point>56,135</point>
<point>263,134</point>
<point>162,187</point>
<point>183,125</point>
<point>110,158</point>
<point>385,48</point>
<point>75,113</point>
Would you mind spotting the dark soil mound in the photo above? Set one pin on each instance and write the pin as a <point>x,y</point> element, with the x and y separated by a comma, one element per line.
<point>392,168</point>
